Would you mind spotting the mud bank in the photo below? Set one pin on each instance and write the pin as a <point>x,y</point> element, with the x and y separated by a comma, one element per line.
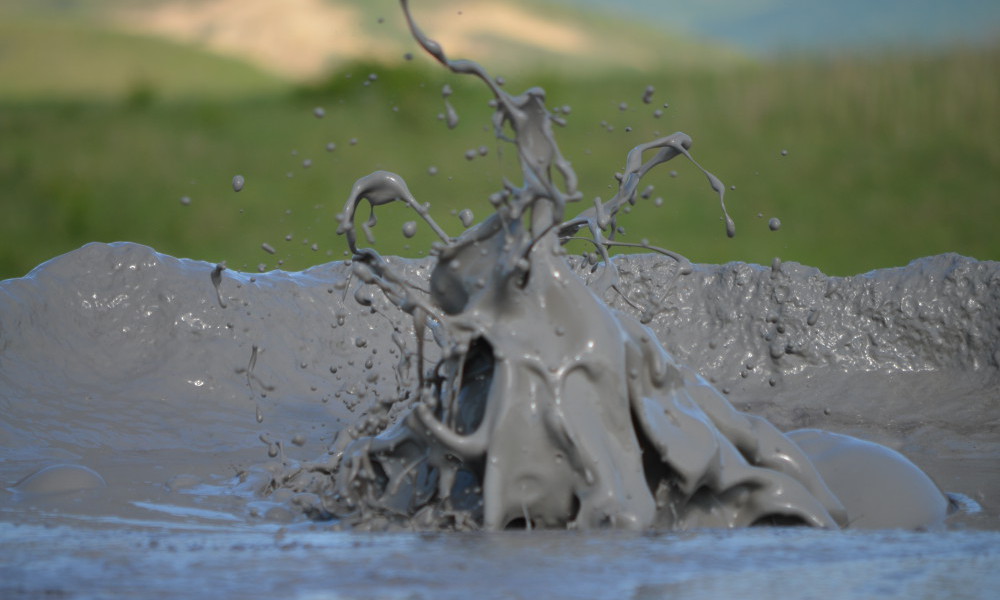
<point>124,361</point>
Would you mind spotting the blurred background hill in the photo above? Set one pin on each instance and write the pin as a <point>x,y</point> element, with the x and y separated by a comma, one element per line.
<point>870,133</point>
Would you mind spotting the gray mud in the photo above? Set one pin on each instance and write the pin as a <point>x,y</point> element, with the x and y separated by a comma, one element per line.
<point>121,360</point>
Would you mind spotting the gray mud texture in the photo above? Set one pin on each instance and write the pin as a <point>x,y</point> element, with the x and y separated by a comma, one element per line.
<point>123,361</point>
<point>135,404</point>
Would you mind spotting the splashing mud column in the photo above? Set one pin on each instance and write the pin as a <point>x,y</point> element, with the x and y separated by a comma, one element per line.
<point>546,407</point>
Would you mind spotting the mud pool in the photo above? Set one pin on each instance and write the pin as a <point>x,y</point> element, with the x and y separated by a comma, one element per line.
<point>173,427</point>
<point>122,360</point>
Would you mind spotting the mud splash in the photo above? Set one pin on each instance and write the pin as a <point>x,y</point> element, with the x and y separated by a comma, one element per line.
<point>544,407</point>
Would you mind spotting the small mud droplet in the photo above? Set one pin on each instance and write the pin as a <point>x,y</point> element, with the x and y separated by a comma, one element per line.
<point>238,182</point>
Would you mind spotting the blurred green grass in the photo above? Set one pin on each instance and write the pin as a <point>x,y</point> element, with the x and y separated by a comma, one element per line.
<point>889,158</point>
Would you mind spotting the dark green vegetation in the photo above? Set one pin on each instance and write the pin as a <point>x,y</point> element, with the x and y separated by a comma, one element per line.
<point>888,159</point>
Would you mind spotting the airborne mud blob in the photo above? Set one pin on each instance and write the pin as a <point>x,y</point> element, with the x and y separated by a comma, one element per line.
<point>544,407</point>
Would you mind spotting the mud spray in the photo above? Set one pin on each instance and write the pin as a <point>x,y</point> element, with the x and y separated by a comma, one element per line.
<point>499,384</point>
<point>544,407</point>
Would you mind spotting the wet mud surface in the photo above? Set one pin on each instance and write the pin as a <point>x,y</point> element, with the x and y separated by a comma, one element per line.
<point>122,361</point>
<point>749,563</point>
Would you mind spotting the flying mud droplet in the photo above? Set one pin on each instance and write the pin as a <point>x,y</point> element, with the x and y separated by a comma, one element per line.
<point>410,229</point>
<point>318,112</point>
<point>647,96</point>
<point>268,248</point>
<point>466,217</point>
<point>784,152</point>
<point>251,376</point>
<point>330,146</point>
<point>238,182</point>
<point>186,200</point>
<point>216,278</point>
<point>451,116</point>
<point>774,224</point>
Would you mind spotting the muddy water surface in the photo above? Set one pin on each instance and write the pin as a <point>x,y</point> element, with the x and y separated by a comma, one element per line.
<point>121,365</point>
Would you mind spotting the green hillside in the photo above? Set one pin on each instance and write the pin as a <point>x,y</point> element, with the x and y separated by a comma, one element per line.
<point>888,159</point>
<point>61,59</point>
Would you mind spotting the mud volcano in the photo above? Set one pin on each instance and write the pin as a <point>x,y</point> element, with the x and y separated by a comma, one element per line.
<point>499,384</point>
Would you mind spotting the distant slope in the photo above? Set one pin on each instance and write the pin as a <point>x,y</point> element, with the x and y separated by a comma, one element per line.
<point>304,39</point>
<point>54,59</point>
<point>821,25</point>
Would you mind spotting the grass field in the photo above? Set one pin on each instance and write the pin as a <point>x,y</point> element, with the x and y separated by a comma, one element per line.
<point>888,158</point>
